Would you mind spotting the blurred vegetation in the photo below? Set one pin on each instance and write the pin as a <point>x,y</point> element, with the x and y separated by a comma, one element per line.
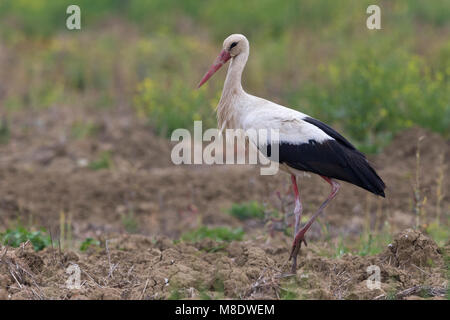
<point>40,239</point>
<point>103,162</point>
<point>248,210</point>
<point>130,222</point>
<point>4,131</point>
<point>81,130</point>
<point>369,244</point>
<point>314,55</point>
<point>89,242</point>
<point>218,234</point>
<point>439,232</point>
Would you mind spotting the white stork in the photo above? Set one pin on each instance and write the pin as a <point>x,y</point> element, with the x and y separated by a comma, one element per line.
<point>305,144</point>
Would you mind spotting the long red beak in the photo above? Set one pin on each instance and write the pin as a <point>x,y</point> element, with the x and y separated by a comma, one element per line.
<point>223,57</point>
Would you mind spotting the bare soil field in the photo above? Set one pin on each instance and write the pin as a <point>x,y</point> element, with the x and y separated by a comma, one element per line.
<point>139,207</point>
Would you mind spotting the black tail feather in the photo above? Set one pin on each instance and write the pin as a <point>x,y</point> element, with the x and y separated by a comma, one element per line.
<point>366,176</point>
<point>334,160</point>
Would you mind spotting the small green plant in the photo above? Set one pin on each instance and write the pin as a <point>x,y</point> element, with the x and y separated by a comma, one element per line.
<point>287,294</point>
<point>81,130</point>
<point>373,243</point>
<point>4,132</point>
<point>248,210</point>
<point>216,233</point>
<point>341,249</point>
<point>129,222</point>
<point>366,245</point>
<point>439,233</point>
<point>14,237</point>
<point>219,285</point>
<point>369,244</point>
<point>391,294</point>
<point>175,294</point>
<point>203,295</point>
<point>288,289</point>
<point>89,242</point>
<point>104,162</point>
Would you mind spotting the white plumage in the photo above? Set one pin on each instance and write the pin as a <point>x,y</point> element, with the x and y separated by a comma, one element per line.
<point>268,115</point>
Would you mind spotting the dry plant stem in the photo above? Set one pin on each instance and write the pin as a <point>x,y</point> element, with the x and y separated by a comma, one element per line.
<point>418,201</point>
<point>433,291</point>
<point>62,228</point>
<point>143,291</point>
<point>439,182</point>
<point>112,267</point>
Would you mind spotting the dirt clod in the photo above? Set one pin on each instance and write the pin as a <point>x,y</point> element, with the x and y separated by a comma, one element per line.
<point>412,249</point>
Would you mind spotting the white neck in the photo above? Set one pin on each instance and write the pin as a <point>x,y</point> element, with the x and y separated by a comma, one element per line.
<point>232,89</point>
<point>234,74</point>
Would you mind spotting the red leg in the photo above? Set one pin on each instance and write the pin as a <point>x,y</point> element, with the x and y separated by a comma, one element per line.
<point>297,212</point>
<point>298,204</point>
<point>300,235</point>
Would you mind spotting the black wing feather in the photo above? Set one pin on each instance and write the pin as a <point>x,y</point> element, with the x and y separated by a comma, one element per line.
<point>331,132</point>
<point>336,158</point>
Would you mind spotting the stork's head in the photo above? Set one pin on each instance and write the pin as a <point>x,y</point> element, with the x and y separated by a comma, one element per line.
<point>235,44</point>
<point>232,46</point>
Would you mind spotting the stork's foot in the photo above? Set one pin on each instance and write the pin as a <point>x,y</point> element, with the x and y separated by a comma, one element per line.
<point>299,238</point>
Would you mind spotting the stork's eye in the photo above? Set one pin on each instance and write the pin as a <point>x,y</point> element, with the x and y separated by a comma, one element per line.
<point>234,44</point>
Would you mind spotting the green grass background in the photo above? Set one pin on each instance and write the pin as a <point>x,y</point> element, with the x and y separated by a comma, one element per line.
<point>313,55</point>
